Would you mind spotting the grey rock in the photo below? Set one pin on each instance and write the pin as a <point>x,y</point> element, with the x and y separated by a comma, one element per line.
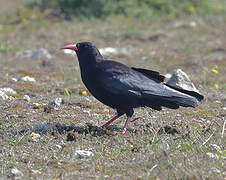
<point>181,80</point>
<point>35,54</point>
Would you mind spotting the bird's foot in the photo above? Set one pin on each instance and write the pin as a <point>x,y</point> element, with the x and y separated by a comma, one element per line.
<point>123,131</point>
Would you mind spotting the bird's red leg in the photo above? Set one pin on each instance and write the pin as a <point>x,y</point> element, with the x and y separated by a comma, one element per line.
<point>125,125</point>
<point>110,121</point>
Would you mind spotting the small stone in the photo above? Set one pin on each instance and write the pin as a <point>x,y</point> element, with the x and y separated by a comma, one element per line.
<point>36,171</point>
<point>210,155</point>
<point>193,24</point>
<point>57,102</point>
<point>28,79</point>
<point>35,54</point>
<point>82,154</point>
<point>27,98</point>
<point>168,76</point>
<point>215,148</point>
<point>3,95</point>
<point>58,146</point>
<point>35,137</point>
<point>16,172</point>
<point>14,79</point>
<point>8,90</point>
<point>69,51</point>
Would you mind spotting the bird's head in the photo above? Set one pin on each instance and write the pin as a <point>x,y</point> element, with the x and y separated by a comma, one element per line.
<point>85,51</point>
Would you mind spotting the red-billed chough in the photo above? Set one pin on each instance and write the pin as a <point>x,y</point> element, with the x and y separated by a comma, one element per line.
<point>124,88</point>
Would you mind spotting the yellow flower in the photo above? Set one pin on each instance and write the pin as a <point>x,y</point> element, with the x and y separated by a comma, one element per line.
<point>33,134</point>
<point>106,110</point>
<point>131,146</point>
<point>11,97</point>
<point>216,86</point>
<point>19,53</point>
<point>191,9</point>
<point>37,106</point>
<point>215,71</point>
<point>84,93</point>
<point>24,20</point>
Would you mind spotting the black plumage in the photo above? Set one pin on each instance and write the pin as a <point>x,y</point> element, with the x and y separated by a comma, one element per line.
<point>124,88</point>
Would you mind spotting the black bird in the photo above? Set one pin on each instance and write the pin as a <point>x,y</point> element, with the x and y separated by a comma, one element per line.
<point>124,88</point>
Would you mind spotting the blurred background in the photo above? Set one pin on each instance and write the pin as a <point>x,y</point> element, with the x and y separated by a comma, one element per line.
<point>159,35</point>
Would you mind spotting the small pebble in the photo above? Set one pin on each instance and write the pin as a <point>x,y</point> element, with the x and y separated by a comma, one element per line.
<point>16,172</point>
<point>82,154</point>
<point>210,155</point>
<point>28,79</point>
<point>27,98</point>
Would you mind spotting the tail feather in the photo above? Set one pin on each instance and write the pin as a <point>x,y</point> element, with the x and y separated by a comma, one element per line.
<point>174,99</point>
<point>198,96</point>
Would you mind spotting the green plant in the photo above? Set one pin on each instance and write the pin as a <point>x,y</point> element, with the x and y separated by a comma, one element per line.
<point>132,8</point>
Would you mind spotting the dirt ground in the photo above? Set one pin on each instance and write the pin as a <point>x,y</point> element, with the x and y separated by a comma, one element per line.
<point>170,144</point>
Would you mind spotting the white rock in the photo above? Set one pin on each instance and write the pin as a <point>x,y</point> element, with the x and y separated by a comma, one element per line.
<point>215,147</point>
<point>69,51</point>
<point>82,154</point>
<point>58,146</point>
<point>35,54</point>
<point>57,102</point>
<point>113,51</point>
<point>36,171</point>
<point>193,24</point>
<point>14,79</point>
<point>28,79</point>
<point>215,170</point>
<point>16,172</point>
<point>180,79</point>
<point>36,137</point>
<point>168,76</point>
<point>224,108</point>
<point>3,95</point>
<point>8,90</point>
<point>211,155</point>
<point>27,98</point>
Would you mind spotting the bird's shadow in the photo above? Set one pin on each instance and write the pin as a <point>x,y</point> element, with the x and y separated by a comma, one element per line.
<point>52,128</point>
